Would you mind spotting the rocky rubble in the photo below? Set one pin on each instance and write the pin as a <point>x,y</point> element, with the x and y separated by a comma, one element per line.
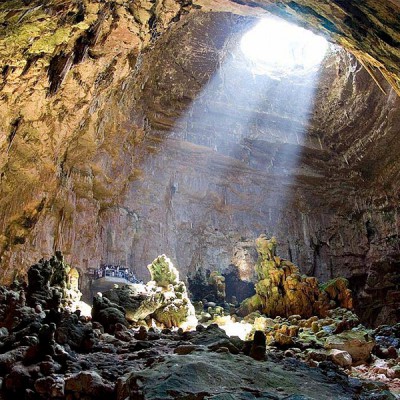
<point>339,337</point>
<point>48,351</point>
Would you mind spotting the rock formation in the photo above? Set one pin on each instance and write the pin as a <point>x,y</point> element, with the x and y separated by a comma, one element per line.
<point>207,286</point>
<point>52,284</point>
<point>48,352</point>
<point>163,300</point>
<point>95,106</point>
<point>282,290</point>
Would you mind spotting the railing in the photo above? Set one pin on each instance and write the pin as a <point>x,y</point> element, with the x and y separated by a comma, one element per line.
<point>116,273</point>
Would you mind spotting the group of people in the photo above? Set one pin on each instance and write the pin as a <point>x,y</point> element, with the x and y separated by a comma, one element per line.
<point>116,271</point>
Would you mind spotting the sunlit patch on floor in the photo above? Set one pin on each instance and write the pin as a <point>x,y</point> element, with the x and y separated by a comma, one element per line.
<point>232,328</point>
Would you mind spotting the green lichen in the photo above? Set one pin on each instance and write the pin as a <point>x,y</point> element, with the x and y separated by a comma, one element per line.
<point>19,32</point>
<point>334,283</point>
<point>29,31</point>
<point>173,314</point>
<point>250,305</point>
<point>12,5</point>
<point>163,272</point>
<point>48,43</point>
<point>309,338</point>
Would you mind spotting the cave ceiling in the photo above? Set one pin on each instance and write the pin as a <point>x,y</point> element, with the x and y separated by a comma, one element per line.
<point>368,29</point>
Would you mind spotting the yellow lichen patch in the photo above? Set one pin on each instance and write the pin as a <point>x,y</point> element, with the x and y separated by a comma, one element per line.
<point>48,43</point>
<point>30,32</point>
<point>19,36</point>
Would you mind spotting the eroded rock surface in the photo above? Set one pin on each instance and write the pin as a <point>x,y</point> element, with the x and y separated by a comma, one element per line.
<point>282,290</point>
<point>52,283</point>
<point>210,376</point>
<point>108,139</point>
<point>164,299</point>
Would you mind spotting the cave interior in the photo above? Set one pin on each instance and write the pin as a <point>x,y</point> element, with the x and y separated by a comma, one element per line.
<point>246,152</point>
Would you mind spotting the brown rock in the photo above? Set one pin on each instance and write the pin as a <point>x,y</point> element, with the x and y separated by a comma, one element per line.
<point>50,387</point>
<point>88,383</point>
<point>340,357</point>
<point>356,343</point>
<point>258,346</point>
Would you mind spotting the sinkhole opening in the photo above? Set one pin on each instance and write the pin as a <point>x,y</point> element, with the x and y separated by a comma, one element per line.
<point>278,48</point>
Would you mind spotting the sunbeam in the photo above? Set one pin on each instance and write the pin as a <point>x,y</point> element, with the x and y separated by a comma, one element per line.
<point>267,128</point>
<point>242,132</point>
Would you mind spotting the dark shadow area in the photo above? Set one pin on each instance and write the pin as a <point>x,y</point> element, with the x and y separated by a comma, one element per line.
<point>236,289</point>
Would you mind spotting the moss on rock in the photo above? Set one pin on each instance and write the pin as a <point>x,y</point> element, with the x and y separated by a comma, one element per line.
<point>163,272</point>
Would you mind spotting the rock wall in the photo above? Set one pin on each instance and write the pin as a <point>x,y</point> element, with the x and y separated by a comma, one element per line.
<point>116,150</point>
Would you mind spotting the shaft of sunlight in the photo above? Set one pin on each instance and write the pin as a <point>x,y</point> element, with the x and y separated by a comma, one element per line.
<point>245,135</point>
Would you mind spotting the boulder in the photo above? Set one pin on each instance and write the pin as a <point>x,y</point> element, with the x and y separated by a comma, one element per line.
<point>130,298</point>
<point>316,355</point>
<point>89,383</point>
<point>107,313</point>
<point>356,342</point>
<point>340,357</point>
<point>8,359</point>
<point>50,387</point>
<point>17,380</point>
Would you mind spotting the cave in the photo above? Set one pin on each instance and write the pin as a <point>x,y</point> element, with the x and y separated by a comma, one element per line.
<point>246,152</point>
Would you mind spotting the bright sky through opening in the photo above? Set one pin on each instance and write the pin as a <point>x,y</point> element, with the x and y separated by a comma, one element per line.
<point>276,47</point>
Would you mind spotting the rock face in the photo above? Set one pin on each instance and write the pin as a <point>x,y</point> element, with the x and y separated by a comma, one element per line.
<point>282,290</point>
<point>121,122</point>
